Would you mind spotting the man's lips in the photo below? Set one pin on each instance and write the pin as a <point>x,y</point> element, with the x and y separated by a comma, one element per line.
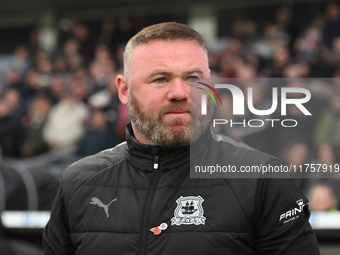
<point>178,112</point>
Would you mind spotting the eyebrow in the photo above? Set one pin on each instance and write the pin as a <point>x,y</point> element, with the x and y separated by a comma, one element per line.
<point>195,71</point>
<point>159,73</point>
<point>168,73</point>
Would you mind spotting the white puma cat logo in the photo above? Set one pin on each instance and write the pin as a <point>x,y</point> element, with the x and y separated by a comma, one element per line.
<point>96,201</point>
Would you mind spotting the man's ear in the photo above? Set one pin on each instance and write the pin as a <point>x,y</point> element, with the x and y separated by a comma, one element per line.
<point>123,89</point>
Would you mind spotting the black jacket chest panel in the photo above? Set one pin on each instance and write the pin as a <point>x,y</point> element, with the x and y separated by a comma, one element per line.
<point>225,224</point>
<point>109,202</point>
<point>130,188</point>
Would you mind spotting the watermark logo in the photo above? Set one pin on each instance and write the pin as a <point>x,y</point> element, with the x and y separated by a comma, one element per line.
<point>244,98</point>
<point>239,99</point>
<point>204,97</point>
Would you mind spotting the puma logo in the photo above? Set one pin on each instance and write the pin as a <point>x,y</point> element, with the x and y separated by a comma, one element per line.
<point>96,201</point>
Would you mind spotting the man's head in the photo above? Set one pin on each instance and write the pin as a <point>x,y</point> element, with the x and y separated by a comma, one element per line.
<point>167,31</point>
<point>160,62</point>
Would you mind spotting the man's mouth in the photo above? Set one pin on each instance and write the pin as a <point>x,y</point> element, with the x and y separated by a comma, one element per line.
<point>179,112</point>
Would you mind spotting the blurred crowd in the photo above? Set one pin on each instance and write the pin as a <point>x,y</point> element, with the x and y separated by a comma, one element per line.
<point>306,59</point>
<point>66,100</point>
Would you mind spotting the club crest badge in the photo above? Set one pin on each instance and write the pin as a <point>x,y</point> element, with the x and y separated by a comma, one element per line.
<point>189,211</point>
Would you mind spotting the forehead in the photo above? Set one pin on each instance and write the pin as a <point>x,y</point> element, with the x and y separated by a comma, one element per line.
<point>160,53</point>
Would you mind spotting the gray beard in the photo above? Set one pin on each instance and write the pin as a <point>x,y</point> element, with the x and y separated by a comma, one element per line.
<point>173,135</point>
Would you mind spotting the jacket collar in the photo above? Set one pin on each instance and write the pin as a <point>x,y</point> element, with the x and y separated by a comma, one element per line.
<point>142,156</point>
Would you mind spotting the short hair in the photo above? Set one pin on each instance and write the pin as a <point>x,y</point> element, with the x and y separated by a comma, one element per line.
<point>162,31</point>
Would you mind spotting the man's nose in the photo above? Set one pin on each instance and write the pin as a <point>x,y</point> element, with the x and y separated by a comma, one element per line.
<point>179,90</point>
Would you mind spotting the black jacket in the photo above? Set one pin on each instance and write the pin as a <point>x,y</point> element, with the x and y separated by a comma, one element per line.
<point>110,203</point>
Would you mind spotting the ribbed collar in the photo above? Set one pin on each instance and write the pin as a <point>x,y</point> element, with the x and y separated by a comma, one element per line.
<point>142,156</point>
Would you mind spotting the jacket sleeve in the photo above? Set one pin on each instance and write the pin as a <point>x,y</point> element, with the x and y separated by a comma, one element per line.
<point>280,219</point>
<point>56,235</point>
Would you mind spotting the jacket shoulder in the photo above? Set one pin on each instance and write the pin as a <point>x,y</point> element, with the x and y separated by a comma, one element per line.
<point>244,153</point>
<point>80,171</point>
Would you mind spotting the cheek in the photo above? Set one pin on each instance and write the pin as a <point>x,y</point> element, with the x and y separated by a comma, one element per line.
<point>146,98</point>
<point>195,97</point>
<point>151,98</point>
<point>148,103</point>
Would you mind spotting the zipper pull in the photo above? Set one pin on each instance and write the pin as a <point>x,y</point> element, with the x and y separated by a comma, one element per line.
<point>155,163</point>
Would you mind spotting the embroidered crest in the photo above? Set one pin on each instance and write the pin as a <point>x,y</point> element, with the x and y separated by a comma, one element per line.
<point>189,210</point>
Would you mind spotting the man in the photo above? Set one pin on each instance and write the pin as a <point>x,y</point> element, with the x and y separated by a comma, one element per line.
<point>138,198</point>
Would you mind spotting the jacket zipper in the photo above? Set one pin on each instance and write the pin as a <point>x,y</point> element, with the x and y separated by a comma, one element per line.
<point>145,230</point>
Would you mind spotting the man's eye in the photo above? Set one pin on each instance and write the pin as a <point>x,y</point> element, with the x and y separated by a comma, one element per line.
<point>160,80</point>
<point>193,78</point>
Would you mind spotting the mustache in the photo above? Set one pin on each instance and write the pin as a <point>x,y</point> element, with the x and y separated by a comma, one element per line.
<point>175,106</point>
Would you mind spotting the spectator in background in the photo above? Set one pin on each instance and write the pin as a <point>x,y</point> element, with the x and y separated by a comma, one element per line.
<point>245,31</point>
<point>13,99</point>
<point>305,128</point>
<point>64,32</point>
<point>333,56</point>
<point>56,88</point>
<point>80,88</point>
<point>229,58</point>
<point>308,45</point>
<point>328,125</point>
<point>99,77</point>
<point>34,39</point>
<point>99,135</point>
<point>322,198</point>
<point>123,33</point>
<point>86,44</point>
<point>244,70</point>
<point>21,60</point>
<point>34,122</point>
<point>60,65</point>
<point>101,68</point>
<point>70,48</point>
<point>19,67</point>
<point>297,154</point>
<point>39,76</point>
<point>331,29</point>
<point>283,29</point>
<point>327,154</point>
<point>116,113</point>
<point>280,61</point>
<point>14,81</point>
<point>65,123</point>
<point>310,51</point>
<point>280,32</point>
<point>71,53</point>
<point>10,124</point>
<point>102,55</point>
<point>297,70</point>
<point>326,159</point>
<point>107,30</point>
